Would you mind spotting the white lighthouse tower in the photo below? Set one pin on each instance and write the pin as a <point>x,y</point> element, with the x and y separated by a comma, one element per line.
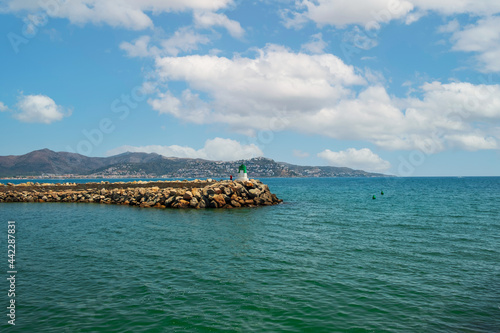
<point>242,173</point>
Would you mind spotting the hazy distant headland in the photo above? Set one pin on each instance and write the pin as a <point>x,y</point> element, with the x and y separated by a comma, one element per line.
<point>46,163</point>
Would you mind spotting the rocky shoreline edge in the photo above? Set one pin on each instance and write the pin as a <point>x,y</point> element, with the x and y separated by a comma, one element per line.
<point>195,194</point>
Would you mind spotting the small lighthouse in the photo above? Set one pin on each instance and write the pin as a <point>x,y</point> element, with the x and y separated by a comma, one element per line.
<point>242,173</point>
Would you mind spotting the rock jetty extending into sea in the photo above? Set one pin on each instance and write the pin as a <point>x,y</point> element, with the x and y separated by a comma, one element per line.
<point>158,194</point>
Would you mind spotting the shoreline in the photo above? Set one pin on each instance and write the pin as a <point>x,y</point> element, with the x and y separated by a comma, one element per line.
<point>196,194</point>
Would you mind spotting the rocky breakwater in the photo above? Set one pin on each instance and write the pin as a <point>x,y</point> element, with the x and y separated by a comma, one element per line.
<point>169,194</point>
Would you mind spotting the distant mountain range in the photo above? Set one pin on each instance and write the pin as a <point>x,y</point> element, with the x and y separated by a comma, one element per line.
<point>47,163</point>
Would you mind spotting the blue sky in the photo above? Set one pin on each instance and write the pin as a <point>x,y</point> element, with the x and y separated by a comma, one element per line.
<point>406,87</point>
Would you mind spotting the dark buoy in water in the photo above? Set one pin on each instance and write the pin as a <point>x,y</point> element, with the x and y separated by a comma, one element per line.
<point>373,198</point>
<point>382,193</point>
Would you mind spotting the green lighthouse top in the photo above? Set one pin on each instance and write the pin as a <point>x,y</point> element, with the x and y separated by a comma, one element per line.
<point>242,167</point>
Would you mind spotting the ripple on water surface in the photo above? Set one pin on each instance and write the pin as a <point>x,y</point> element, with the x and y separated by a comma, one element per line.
<point>422,257</point>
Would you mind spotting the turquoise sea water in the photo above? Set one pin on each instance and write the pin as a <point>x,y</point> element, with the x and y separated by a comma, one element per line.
<point>424,257</point>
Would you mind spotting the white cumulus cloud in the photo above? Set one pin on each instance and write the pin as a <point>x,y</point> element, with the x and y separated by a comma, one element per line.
<point>3,107</point>
<point>184,40</point>
<point>211,19</point>
<point>451,7</point>
<point>451,26</point>
<point>139,47</point>
<point>129,14</point>
<point>315,45</point>
<point>363,159</point>
<point>39,109</point>
<point>321,95</point>
<point>473,142</point>
<point>254,89</point>
<point>343,13</point>
<point>217,149</point>
<point>481,38</point>
<point>371,13</point>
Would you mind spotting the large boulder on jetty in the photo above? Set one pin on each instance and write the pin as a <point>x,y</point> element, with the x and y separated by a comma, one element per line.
<point>193,203</point>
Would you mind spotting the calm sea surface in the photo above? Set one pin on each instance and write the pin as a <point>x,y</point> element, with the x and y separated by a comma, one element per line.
<point>424,257</point>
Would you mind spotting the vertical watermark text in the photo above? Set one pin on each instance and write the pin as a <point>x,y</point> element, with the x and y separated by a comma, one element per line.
<point>11,272</point>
